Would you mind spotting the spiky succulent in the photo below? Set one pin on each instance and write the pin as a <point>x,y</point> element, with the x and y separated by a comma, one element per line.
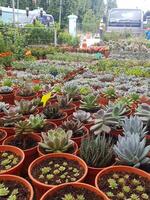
<point>82,116</point>
<point>23,128</point>
<point>97,152</point>
<point>134,125</point>
<point>56,141</point>
<point>37,121</point>
<point>143,111</point>
<point>52,112</point>
<point>89,102</point>
<point>25,107</point>
<point>75,126</point>
<point>110,93</point>
<point>72,90</point>
<point>130,150</point>
<point>3,106</point>
<point>63,101</point>
<point>104,122</point>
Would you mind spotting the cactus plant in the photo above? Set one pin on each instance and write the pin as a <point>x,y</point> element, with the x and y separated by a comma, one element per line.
<point>56,141</point>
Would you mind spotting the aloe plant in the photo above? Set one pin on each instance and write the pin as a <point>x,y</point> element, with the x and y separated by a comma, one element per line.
<point>132,151</point>
<point>56,141</point>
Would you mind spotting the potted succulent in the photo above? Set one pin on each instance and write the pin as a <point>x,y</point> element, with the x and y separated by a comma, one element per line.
<point>3,135</point>
<point>26,93</point>
<point>74,191</point>
<point>122,182</point>
<point>52,113</point>
<point>26,108</point>
<point>57,141</point>
<point>64,102</point>
<point>25,140</point>
<point>89,103</point>
<point>7,122</point>
<point>15,187</point>
<point>37,102</point>
<point>3,106</point>
<point>11,160</point>
<point>7,94</point>
<point>54,169</point>
<point>98,153</point>
<point>78,130</point>
<point>39,124</point>
<point>108,95</point>
<point>84,117</point>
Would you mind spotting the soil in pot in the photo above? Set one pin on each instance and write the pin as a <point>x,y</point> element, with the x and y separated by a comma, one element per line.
<point>23,143</point>
<point>14,190</point>
<point>123,185</point>
<point>54,171</point>
<point>8,160</point>
<point>75,193</point>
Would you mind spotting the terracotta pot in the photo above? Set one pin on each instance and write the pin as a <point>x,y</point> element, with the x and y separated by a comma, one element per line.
<point>8,98</point>
<point>120,169</point>
<point>54,190</point>
<point>42,153</point>
<point>4,135</point>
<point>36,81</point>
<point>16,170</point>
<point>20,180</point>
<point>19,98</point>
<point>41,188</point>
<point>79,139</point>
<point>144,99</point>
<point>10,130</point>
<point>59,121</point>
<point>69,111</point>
<point>30,154</point>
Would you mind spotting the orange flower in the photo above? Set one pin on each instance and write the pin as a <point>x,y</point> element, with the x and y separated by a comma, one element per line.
<point>28,53</point>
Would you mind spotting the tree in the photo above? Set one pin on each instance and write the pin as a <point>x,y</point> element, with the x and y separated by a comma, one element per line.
<point>111,4</point>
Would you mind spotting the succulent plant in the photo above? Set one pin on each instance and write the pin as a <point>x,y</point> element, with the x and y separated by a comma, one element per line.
<point>56,141</point>
<point>71,197</point>
<point>5,89</point>
<point>7,82</point>
<point>25,107</point>
<point>97,152</point>
<point>134,125</point>
<point>104,122</point>
<point>37,102</point>
<point>37,121</point>
<point>89,102</point>
<point>82,116</point>
<point>63,101</point>
<point>26,90</point>
<point>110,93</point>
<point>143,111</point>
<point>52,112</point>
<point>3,106</point>
<point>23,128</point>
<point>72,90</point>
<point>130,150</point>
<point>75,126</point>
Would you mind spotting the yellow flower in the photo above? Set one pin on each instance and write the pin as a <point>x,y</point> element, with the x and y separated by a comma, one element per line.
<point>45,98</point>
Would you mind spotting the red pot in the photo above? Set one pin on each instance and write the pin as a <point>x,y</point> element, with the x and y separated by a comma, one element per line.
<point>2,114</point>
<point>30,154</point>
<point>10,130</point>
<point>35,113</point>
<point>54,126</point>
<point>79,139</point>
<point>69,111</point>
<point>16,170</point>
<point>59,121</point>
<point>115,133</point>
<point>1,97</point>
<point>4,135</point>
<point>19,98</point>
<point>41,188</point>
<point>20,180</point>
<point>8,98</point>
<point>54,190</point>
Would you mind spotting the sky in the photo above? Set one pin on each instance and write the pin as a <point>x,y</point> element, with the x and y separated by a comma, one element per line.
<point>142,4</point>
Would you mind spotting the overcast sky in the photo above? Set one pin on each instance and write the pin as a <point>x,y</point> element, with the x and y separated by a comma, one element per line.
<point>142,4</point>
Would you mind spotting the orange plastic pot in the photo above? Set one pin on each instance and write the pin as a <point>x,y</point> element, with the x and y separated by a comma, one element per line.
<point>41,153</point>
<point>41,188</point>
<point>8,98</point>
<point>120,169</point>
<point>79,139</point>
<point>16,170</point>
<point>69,111</point>
<point>30,154</point>
<point>10,130</point>
<point>20,180</point>
<point>59,121</point>
<point>54,190</point>
<point>3,136</point>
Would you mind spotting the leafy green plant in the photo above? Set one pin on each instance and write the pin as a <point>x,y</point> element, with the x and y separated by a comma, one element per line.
<point>56,141</point>
<point>37,122</point>
<point>97,152</point>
